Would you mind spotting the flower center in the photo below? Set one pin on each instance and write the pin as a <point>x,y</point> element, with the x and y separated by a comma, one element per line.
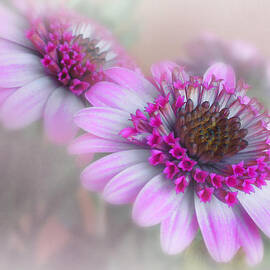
<point>75,61</point>
<point>202,147</point>
<point>208,134</point>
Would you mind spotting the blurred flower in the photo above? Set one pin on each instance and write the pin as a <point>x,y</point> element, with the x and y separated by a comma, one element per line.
<point>189,152</point>
<point>246,60</point>
<point>48,59</point>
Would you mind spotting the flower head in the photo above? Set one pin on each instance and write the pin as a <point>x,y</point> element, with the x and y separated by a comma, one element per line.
<point>245,59</point>
<point>47,62</point>
<point>189,152</point>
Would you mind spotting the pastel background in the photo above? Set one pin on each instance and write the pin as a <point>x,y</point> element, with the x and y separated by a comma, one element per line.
<point>47,221</point>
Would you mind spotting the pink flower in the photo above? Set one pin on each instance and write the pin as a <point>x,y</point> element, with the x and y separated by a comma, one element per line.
<point>47,62</point>
<point>245,59</point>
<point>219,183</point>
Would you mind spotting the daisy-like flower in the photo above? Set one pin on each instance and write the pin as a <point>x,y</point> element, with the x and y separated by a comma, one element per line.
<point>189,152</point>
<point>245,59</point>
<point>47,62</point>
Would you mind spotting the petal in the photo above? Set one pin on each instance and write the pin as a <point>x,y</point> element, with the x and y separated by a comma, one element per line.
<point>223,72</point>
<point>99,173</point>
<point>133,81</point>
<point>58,115</point>
<point>249,237</point>
<point>27,104</point>
<point>125,186</point>
<point>162,69</point>
<point>246,53</point>
<point>219,228</point>
<point>257,206</point>
<point>18,69</point>
<point>7,47</point>
<point>13,27</point>
<point>107,94</point>
<point>103,122</point>
<point>180,228</point>
<point>5,93</point>
<point>155,202</point>
<point>89,143</point>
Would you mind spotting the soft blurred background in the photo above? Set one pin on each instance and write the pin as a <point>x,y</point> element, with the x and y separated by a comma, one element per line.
<point>47,221</point>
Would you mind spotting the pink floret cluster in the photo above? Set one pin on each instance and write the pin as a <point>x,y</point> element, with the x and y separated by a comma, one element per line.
<point>67,56</point>
<point>166,151</point>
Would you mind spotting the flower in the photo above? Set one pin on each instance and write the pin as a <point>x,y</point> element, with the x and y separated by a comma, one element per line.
<point>47,62</point>
<point>245,59</point>
<point>189,152</point>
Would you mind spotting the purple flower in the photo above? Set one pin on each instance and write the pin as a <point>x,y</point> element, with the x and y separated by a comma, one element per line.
<point>47,62</point>
<point>204,165</point>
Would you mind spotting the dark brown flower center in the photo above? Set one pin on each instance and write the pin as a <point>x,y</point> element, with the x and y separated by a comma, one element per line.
<point>207,132</point>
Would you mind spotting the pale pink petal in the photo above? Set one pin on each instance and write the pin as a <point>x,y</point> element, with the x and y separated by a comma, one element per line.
<point>30,7</point>
<point>5,93</point>
<point>133,81</point>
<point>249,237</point>
<point>18,69</point>
<point>163,70</point>
<point>155,202</point>
<point>7,47</point>
<point>99,173</point>
<point>26,104</point>
<point>245,52</point>
<point>90,143</point>
<point>219,228</point>
<point>180,228</point>
<point>103,122</point>
<point>257,206</point>
<point>125,186</point>
<point>13,27</point>
<point>58,115</point>
<point>223,72</point>
<point>107,94</point>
